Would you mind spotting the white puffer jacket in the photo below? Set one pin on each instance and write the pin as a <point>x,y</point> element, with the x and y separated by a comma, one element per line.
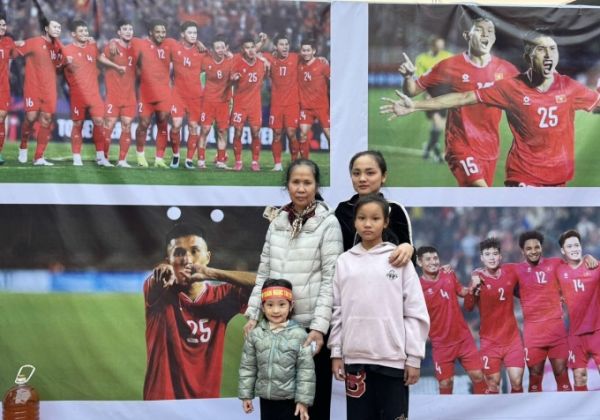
<point>307,261</point>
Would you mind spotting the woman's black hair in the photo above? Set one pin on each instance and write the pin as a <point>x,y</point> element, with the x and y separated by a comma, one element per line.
<point>314,169</point>
<point>377,157</point>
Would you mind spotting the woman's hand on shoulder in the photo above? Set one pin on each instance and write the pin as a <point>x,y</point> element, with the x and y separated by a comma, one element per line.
<point>316,337</point>
<point>249,326</point>
<point>401,255</point>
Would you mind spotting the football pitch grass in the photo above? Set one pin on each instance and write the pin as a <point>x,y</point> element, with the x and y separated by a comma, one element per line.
<point>63,171</point>
<point>88,346</point>
<point>402,143</point>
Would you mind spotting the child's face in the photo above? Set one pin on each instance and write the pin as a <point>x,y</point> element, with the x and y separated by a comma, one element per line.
<point>370,222</point>
<point>277,310</point>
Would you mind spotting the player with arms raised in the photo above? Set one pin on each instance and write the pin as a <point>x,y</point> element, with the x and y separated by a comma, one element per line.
<point>120,101</point>
<point>247,74</point>
<point>186,318</point>
<point>81,71</point>
<point>450,336</point>
<point>472,137</point>
<point>540,106</point>
<point>492,290</point>
<point>43,56</point>
<point>7,51</point>
<point>313,84</point>
<point>215,107</point>
<point>580,288</point>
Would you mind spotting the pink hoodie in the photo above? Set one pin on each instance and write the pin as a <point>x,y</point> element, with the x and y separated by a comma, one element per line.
<point>379,312</point>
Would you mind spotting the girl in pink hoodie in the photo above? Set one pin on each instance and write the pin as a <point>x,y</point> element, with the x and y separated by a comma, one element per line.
<point>380,322</point>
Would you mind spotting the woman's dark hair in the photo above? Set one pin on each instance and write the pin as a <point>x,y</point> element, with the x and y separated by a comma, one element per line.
<point>377,157</point>
<point>314,169</point>
<point>279,283</point>
<point>373,198</point>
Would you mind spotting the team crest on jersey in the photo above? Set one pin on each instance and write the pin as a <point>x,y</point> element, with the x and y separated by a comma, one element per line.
<point>566,275</point>
<point>465,78</point>
<point>498,76</point>
<point>392,275</point>
<point>430,291</point>
<point>526,100</point>
<point>561,99</point>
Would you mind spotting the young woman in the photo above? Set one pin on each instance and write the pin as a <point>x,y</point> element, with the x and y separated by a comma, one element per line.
<point>275,365</point>
<point>376,348</point>
<point>368,171</point>
<point>302,246</point>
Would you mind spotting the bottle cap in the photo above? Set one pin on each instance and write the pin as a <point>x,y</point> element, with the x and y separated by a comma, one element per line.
<point>23,376</point>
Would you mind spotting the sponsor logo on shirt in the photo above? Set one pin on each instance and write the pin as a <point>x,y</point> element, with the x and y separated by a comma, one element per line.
<point>465,78</point>
<point>526,100</point>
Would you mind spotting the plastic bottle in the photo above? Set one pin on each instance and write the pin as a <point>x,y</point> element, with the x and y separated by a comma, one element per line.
<point>22,401</point>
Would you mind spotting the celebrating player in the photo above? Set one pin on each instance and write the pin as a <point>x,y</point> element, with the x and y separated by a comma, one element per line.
<point>120,101</point>
<point>313,84</point>
<point>450,336</point>
<point>43,56</point>
<point>544,331</point>
<point>247,73</point>
<point>186,318</point>
<point>215,107</point>
<point>7,51</point>
<point>154,61</point>
<point>81,72</point>
<point>581,291</point>
<point>472,138</point>
<point>285,100</point>
<point>540,105</point>
<point>492,290</point>
<point>187,89</point>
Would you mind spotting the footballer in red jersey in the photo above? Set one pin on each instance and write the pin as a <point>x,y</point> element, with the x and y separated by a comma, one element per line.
<point>154,62</point>
<point>187,89</point>
<point>492,290</point>
<point>285,99</point>
<point>544,331</point>
<point>120,103</point>
<point>247,74</point>
<point>313,86</point>
<point>186,318</point>
<point>215,106</point>
<point>472,136</point>
<point>580,288</point>
<point>81,71</point>
<point>450,336</point>
<point>43,56</point>
<point>7,51</point>
<point>540,106</point>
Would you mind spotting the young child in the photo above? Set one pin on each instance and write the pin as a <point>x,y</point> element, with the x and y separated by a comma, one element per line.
<point>380,321</point>
<point>275,366</point>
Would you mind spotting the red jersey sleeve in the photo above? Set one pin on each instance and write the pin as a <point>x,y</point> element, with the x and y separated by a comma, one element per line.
<point>435,76</point>
<point>584,98</point>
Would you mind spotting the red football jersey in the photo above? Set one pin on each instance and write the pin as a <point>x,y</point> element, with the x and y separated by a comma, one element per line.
<point>7,45</point>
<point>580,289</point>
<point>42,58</point>
<point>217,86</point>
<point>185,339</point>
<point>539,289</point>
<point>542,124</point>
<point>496,307</point>
<point>82,72</point>
<point>155,65</point>
<point>470,130</point>
<point>312,84</point>
<point>247,89</point>
<point>187,67</point>
<point>448,325</point>
<point>284,79</point>
<point>120,88</point>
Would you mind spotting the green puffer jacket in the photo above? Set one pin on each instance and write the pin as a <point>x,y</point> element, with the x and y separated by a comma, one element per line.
<point>276,366</point>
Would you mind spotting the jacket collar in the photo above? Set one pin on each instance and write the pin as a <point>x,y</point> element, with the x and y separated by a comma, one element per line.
<point>321,212</point>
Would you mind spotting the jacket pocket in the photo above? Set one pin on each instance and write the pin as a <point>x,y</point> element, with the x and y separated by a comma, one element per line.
<point>372,338</point>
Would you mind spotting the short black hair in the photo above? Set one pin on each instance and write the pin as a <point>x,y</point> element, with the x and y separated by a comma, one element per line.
<point>530,234</point>
<point>490,243</point>
<point>181,230</point>
<point>571,233</point>
<point>279,37</point>
<point>188,24</point>
<point>426,249</point>
<point>309,41</point>
<point>220,38</point>
<point>156,22</point>
<point>377,157</point>
<point>277,283</point>
<point>123,22</point>
<point>76,24</point>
